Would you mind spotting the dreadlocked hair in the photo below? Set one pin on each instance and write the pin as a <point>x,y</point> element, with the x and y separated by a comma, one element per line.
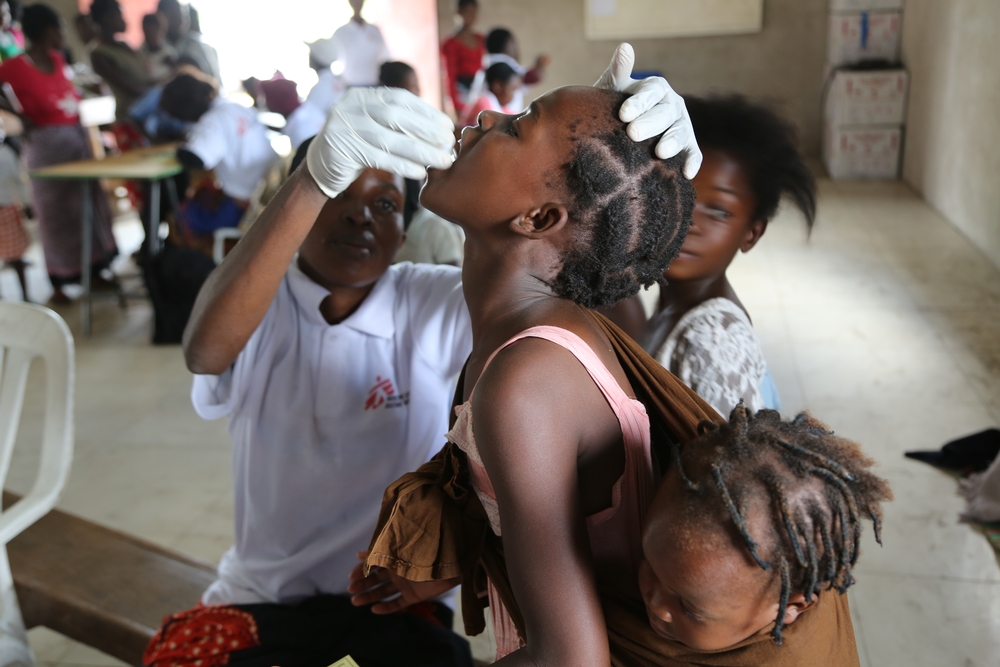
<point>633,210</point>
<point>766,146</point>
<point>817,487</point>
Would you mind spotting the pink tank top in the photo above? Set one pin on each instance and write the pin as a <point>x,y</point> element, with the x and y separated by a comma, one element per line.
<point>616,532</point>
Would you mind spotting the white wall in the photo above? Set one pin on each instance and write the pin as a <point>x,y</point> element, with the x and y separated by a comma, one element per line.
<point>783,63</point>
<point>952,150</point>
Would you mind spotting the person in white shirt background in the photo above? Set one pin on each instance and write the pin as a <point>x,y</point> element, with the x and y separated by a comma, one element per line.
<point>336,371</point>
<point>360,48</point>
<point>307,120</point>
<point>227,138</point>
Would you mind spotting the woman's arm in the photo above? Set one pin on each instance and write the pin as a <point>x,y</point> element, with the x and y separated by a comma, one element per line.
<point>235,298</point>
<point>532,410</point>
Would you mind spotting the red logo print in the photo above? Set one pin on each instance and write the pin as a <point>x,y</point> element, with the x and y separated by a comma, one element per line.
<point>378,394</point>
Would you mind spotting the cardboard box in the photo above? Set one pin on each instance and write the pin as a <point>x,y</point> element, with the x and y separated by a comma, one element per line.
<point>862,152</point>
<point>859,36</point>
<point>864,5</point>
<point>866,97</point>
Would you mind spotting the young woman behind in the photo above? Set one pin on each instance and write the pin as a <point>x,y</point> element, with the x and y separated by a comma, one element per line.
<point>462,55</point>
<point>701,332</point>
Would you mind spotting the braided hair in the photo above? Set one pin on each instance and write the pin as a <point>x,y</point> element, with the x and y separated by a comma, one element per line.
<point>817,486</point>
<point>633,209</point>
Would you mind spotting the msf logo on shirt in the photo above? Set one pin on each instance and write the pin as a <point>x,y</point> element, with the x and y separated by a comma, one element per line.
<point>383,393</point>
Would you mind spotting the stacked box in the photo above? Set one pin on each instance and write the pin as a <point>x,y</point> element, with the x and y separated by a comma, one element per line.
<point>865,105</point>
<point>866,97</point>
<point>858,36</point>
<point>862,152</point>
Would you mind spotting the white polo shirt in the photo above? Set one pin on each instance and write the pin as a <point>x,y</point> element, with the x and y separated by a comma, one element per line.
<point>362,49</point>
<point>230,140</point>
<point>324,417</point>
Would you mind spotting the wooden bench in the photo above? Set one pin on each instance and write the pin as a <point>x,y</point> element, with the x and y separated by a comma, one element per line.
<point>98,586</point>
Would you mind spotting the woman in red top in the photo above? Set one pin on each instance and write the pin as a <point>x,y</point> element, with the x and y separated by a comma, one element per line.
<point>462,54</point>
<point>48,103</point>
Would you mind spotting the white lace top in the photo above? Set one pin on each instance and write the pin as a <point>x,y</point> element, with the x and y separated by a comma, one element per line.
<point>714,350</point>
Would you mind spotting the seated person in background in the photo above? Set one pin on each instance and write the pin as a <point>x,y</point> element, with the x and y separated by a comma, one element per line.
<point>749,544</point>
<point>701,332</point>
<point>226,138</point>
<point>115,61</point>
<point>430,239</point>
<point>193,50</point>
<point>159,56</point>
<point>501,47</point>
<point>502,84</point>
<point>307,120</point>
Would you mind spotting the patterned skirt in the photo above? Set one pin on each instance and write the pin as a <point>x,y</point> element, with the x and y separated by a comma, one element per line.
<point>59,204</point>
<point>14,238</point>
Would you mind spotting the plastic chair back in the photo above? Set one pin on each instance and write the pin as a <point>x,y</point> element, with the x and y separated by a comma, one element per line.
<point>28,332</point>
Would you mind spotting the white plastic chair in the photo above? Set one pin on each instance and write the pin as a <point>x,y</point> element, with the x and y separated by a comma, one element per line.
<point>27,332</point>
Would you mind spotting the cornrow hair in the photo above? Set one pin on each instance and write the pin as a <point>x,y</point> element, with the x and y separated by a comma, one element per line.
<point>817,486</point>
<point>633,209</point>
<point>764,143</point>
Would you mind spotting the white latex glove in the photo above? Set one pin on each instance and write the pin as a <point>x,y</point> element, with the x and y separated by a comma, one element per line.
<point>653,107</point>
<point>379,128</point>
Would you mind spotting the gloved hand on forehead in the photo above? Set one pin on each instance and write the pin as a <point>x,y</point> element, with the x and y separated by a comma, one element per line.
<point>379,128</point>
<point>652,108</point>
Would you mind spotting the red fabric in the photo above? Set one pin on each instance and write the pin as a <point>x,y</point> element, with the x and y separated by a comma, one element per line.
<point>461,61</point>
<point>203,636</point>
<point>48,99</point>
<point>14,239</point>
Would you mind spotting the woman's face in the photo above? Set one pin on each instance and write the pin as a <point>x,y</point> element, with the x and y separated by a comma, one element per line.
<point>510,165</point>
<point>357,233</point>
<point>723,220</point>
<point>55,37</point>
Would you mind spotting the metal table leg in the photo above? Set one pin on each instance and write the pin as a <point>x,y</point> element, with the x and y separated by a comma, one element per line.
<point>153,233</point>
<point>172,194</point>
<point>86,253</point>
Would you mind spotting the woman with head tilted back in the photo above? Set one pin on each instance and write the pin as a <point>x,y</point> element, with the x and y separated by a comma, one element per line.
<point>562,213</point>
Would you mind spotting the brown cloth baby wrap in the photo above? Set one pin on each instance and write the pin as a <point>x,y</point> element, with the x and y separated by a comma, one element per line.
<point>432,526</point>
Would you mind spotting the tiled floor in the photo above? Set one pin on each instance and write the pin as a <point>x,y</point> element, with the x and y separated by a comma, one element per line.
<point>886,324</point>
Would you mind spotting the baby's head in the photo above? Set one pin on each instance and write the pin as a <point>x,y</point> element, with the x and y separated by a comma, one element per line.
<point>751,161</point>
<point>753,520</point>
<point>610,213</point>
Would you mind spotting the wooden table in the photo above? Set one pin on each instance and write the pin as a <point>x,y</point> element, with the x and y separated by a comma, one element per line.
<point>155,164</point>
